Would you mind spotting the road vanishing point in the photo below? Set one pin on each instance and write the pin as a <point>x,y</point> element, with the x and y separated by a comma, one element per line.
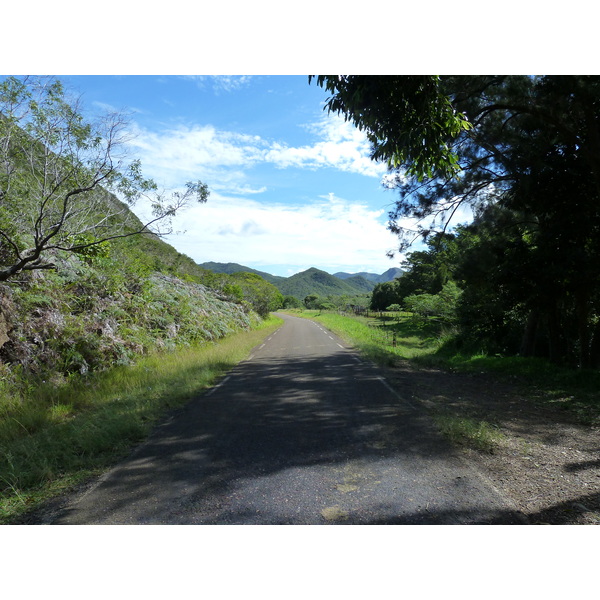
<point>302,432</point>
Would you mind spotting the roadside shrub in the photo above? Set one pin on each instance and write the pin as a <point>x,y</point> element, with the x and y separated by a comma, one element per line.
<point>93,314</point>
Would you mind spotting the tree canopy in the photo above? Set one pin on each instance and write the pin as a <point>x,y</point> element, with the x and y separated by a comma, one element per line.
<point>524,153</point>
<point>409,120</point>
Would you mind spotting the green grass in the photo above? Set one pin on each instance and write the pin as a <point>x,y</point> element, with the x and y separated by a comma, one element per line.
<point>426,344</point>
<point>52,438</point>
<point>382,340</point>
<point>569,389</point>
<point>463,431</point>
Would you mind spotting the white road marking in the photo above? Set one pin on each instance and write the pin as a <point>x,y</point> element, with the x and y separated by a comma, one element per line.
<point>391,389</point>
<point>218,385</point>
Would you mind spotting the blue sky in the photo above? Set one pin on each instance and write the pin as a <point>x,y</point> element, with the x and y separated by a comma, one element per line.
<point>291,186</point>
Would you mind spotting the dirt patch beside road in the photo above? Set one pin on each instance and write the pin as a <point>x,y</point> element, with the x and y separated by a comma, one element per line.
<point>547,463</point>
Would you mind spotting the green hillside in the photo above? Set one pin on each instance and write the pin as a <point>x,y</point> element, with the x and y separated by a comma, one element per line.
<point>231,268</point>
<point>389,275</point>
<point>128,297</point>
<point>300,285</point>
<point>360,283</point>
<point>315,281</point>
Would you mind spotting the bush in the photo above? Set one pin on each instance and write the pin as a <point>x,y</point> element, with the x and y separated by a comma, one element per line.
<point>92,315</point>
<point>442,305</point>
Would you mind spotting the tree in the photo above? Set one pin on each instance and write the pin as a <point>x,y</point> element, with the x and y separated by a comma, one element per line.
<point>409,120</point>
<point>535,152</point>
<point>531,148</point>
<point>263,296</point>
<point>384,294</point>
<point>291,302</point>
<point>312,301</point>
<point>58,177</point>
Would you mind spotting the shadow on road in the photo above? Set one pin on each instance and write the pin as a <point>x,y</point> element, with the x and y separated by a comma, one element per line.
<point>314,439</point>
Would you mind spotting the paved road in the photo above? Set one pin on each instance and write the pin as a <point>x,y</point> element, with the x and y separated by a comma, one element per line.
<point>303,432</point>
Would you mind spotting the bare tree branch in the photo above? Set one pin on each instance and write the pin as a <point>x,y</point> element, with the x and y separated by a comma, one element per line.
<point>59,176</point>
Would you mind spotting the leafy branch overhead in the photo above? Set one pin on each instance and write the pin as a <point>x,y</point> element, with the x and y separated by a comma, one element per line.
<point>60,175</point>
<point>409,120</point>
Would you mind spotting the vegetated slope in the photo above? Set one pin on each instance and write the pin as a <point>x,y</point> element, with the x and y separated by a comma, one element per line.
<point>389,275</point>
<point>91,315</point>
<point>132,296</point>
<point>231,268</point>
<point>315,281</point>
<point>300,285</point>
<point>360,283</point>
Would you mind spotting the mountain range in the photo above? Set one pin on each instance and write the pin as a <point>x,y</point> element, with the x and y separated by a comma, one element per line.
<point>389,275</point>
<point>313,280</point>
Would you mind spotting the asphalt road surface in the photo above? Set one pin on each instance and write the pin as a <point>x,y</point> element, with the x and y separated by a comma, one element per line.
<point>302,432</point>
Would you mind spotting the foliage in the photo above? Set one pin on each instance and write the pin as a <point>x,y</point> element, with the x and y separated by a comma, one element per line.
<point>528,167</point>
<point>422,305</point>
<point>58,174</point>
<point>409,120</point>
<point>443,305</point>
<point>384,294</point>
<point>91,316</point>
<point>263,296</point>
<point>311,301</point>
<point>291,302</point>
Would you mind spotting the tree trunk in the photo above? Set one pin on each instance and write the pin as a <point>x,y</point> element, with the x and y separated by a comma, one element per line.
<point>529,335</point>
<point>595,347</point>
<point>583,316</point>
<point>556,346</point>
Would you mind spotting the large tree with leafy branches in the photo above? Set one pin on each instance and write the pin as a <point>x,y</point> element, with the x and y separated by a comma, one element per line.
<point>528,146</point>
<point>59,174</point>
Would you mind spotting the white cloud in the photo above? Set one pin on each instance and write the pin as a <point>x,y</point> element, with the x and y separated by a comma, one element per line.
<point>200,147</point>
<point>342,147</point>
<point>173,156</point>
<point>221,83</point>
<point>329,232</point>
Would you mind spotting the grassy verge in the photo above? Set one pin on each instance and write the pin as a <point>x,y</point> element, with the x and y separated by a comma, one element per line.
<point>384,340</point>
<point>424,344</point>
<point>465,431</point>
<point>52,438</point>
<point>573,390</point>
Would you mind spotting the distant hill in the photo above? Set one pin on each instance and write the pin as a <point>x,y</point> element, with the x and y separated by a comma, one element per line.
<point>230,268</point>
<point>389,275</point>
<point>313,280</point>
<point>360,283</point>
